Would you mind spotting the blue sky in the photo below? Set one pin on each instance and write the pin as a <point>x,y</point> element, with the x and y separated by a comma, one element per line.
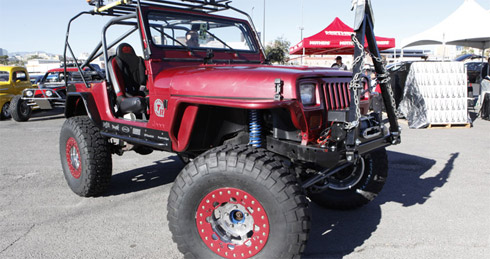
<point>34,25</point>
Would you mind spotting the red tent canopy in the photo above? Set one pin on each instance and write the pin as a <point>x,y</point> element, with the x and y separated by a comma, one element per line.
<point>335,39</point>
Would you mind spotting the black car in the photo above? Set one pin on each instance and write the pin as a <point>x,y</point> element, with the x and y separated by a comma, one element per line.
<point>398,74</point>
<point>473,69</point>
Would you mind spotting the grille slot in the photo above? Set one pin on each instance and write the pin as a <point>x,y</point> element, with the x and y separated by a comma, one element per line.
<point>337,95</point>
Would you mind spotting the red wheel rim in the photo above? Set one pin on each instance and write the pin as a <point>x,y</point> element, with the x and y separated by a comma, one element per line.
<point>236,202</point>
<point>73,158</point>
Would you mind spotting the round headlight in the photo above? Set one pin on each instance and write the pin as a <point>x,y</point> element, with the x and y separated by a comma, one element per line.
<point>49,93</point>
<point>29,93</point>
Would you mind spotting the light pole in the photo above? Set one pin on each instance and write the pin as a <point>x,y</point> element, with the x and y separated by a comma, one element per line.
<point>263,27</point>
<point>301,28</point>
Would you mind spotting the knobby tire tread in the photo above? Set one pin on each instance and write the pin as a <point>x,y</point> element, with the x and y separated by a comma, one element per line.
<point>372,183</point>
<point>262,166</point>
<point>96,149</point>
<point>14,109</point>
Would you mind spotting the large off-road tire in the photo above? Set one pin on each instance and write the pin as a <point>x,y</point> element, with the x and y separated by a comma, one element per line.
<point>19,110</point>
<point>185,158</point>
<point>355,186</point>
<point>85,157</point>
<point>5,112</point>
<point>238,202</point>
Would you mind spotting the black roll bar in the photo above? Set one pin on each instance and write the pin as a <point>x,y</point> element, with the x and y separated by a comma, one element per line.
<point>116,20</point>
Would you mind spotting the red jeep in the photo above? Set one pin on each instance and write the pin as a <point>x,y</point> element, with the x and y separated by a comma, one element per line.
<point>258,139</point>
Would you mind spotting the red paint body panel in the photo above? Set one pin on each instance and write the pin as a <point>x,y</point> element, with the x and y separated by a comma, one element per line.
<point>237,81</point>
<point>179,79</point>
<point>235,86</point>
<point>182,126</point>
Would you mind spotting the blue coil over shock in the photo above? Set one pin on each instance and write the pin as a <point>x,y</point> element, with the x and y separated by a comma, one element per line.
<point>255,138</point>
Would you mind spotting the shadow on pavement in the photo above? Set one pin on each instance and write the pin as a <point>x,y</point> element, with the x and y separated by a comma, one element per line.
<point>160,173</point>
<point>473,115</point>
<point>335,234</point>
<point>45,115</point>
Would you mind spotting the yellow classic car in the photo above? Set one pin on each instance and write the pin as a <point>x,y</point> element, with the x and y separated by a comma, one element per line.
<point>12,81</point>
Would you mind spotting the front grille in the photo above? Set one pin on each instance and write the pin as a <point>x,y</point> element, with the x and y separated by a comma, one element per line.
<point>337,95</point>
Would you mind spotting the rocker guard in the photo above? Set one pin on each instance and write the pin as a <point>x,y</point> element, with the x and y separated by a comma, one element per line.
<point>321,156</point>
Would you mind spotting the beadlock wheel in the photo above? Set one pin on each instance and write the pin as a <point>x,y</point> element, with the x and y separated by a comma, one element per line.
<point>85,157</point>
<point>232,223</point>
<point>73,158</point>
<point>238,202</point>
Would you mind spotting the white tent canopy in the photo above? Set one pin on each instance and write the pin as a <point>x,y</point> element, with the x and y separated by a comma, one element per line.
<point>457,29</point>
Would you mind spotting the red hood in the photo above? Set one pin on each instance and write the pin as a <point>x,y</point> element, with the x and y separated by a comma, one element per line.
<point>238,81</point>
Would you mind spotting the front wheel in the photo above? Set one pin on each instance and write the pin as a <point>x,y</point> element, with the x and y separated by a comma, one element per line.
<point>356,185</point>
<point>238,202</point>
<point>19,109</point>
<point>85,157</point>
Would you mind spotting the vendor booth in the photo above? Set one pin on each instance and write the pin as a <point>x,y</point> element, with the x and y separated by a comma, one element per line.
<point>335,39</point>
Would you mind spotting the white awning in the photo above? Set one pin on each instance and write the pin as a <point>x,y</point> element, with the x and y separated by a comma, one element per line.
<point>464,27</point>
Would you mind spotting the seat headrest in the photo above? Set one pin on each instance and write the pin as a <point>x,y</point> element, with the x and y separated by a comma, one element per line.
<point>125,49</point>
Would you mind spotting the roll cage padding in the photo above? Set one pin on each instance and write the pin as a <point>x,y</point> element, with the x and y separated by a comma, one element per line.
<point>116,77</point>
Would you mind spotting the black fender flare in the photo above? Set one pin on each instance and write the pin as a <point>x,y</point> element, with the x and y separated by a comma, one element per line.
<point>72,106</point>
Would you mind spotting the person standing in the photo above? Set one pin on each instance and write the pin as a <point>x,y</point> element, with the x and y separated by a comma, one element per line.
<point>338,64</point>
<point>484,70</point>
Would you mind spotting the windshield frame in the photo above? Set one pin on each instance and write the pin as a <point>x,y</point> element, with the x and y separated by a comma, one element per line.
<point>249,33</point>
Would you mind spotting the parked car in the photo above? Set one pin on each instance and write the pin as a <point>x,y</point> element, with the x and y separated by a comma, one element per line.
<point>473,69</point>
<point>12,81</point>
<point>469,57</point>
<point>35,80</point>
<point>50,91</point>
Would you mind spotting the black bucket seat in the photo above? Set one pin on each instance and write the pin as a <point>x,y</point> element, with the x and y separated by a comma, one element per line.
<point>127,72</point>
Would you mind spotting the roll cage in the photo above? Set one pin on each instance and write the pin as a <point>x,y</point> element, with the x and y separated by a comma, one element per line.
<point>124,10</point>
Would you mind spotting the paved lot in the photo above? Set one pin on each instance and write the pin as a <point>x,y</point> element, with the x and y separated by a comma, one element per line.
<point>436,202</point>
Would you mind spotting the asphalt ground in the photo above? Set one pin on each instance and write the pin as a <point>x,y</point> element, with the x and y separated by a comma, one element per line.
<point>435,204</point>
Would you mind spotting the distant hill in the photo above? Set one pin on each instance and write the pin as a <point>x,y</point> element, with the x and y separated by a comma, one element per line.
<point>24,53</point>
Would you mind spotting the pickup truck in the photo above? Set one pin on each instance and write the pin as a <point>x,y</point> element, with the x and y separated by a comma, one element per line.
<point>13,80</point>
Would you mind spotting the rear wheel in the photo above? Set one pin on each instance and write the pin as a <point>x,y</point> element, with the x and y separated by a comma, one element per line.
<point>19,109</point>
<point>238,202</point>
<point>5,113</point>
<point>85,157</point>
<point>356,185</point>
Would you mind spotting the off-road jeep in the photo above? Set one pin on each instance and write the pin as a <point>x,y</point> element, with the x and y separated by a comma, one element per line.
<point>258,139</point>
<point>50,92</point>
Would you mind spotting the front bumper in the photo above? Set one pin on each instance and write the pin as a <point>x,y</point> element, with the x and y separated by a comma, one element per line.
<point>44,99</point>
<point>323,157</point>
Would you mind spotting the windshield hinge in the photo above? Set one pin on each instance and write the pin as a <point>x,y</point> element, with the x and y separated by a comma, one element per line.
<point>279,85</point>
